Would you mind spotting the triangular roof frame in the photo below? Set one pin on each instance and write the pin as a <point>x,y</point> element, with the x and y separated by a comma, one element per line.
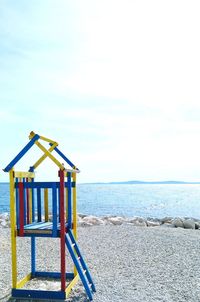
<point>34,139</point>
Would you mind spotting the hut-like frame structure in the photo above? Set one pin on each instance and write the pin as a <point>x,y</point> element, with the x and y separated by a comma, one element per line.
<point>33,215</point>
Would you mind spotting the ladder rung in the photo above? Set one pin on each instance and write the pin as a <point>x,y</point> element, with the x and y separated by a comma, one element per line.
<point>84,272</point>
<point>73,244</point>
<point>90,285</point>
<point>78,258</point>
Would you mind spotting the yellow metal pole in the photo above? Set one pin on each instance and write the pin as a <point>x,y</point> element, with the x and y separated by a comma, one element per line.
<point>74,207</point>
<point>46,208</point>
<point>74,213</point>
<point>13,229</point>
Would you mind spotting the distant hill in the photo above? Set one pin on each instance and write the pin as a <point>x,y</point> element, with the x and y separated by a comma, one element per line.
<point>167,182</point>
<point>140,182</point>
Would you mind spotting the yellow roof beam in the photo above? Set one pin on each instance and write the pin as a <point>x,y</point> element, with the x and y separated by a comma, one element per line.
<point>32,134</point>
<point>47,153</point>
<point>42,158</point>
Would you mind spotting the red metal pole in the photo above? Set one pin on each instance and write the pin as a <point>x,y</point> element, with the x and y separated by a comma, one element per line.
<point>21,209</point>
<point>27,203</point>
<point>62,230</point>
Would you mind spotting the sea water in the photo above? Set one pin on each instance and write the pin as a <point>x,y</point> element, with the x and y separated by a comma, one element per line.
<point>131,199</point>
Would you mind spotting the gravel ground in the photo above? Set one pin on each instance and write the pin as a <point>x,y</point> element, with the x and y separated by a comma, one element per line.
<point>128,263</point>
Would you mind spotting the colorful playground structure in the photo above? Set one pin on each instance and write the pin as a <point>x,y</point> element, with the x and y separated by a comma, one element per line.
<point>32,215</point>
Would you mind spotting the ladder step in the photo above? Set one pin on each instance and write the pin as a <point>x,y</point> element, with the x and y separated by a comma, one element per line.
<point>80,264</point>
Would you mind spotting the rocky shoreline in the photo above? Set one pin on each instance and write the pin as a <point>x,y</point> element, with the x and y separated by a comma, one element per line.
<point>90,220</point>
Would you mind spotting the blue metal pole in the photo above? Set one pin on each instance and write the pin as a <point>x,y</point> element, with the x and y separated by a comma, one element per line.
<point>64,157</point>
<point>39,204</point>
<point>33,264</point>
<point>21,153</point>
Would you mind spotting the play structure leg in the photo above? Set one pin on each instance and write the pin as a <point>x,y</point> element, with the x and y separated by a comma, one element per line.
<point>62,229</point>
<point>33,255</point>
<point>13,229</point>
<point>74,213</point>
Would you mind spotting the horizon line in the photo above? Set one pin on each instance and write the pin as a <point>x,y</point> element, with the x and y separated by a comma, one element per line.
<point>134,182</point>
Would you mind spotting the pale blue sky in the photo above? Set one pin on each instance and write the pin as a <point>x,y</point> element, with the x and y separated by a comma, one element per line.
<point>116,83</point>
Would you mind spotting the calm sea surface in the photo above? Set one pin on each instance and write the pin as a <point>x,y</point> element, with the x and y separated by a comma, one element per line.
<point>131,200</point>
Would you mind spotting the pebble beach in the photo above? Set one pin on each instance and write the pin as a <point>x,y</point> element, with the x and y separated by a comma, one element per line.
<point>131,259</point>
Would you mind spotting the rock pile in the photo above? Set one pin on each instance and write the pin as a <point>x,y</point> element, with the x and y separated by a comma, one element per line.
<point>186,223</point>
<point>90,220</point>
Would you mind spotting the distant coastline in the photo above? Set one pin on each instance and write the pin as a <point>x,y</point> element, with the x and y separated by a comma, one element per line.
<point>137,182</point>
<point>140,182</point>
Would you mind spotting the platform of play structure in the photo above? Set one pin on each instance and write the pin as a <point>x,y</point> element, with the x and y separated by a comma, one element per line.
<point>33,214</point>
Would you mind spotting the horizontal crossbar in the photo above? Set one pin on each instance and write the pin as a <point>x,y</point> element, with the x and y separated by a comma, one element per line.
<point>53,275</point>
<point>40,294</point>
<point>24,174</point>
<point>43,185</point>
<point>72,171</point>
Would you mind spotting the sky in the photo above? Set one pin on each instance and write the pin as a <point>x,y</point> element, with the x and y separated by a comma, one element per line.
<point>115,83</point>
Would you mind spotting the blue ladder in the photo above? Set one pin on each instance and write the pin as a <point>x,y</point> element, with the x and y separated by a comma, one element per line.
<point>80,264</point>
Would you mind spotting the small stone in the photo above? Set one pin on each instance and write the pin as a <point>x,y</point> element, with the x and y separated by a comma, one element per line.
<point>189,224</point>
<point>84,224</point>
<point>178,223</point>
<point>93,220</point>
<point>154,219</point>
<point>116,220</point>
<point>197,225</point>
<point>166,219</point>
<point>138,221</point>
<point>153,223</point>
<point>4,223</point>
<point>82,215</point>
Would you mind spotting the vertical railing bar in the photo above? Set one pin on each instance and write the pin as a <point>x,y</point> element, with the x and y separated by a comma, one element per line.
<point>46,205</point>
<point>33,203</point>
<point>21,208</point>
<point>69,200</point>
<point>17,202</point>
<point>39,204</point>
<point>27,203</point>
<point>54,209</point>
<point>59,204</point>
<point>62,228</point>
<point>24,194</point>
